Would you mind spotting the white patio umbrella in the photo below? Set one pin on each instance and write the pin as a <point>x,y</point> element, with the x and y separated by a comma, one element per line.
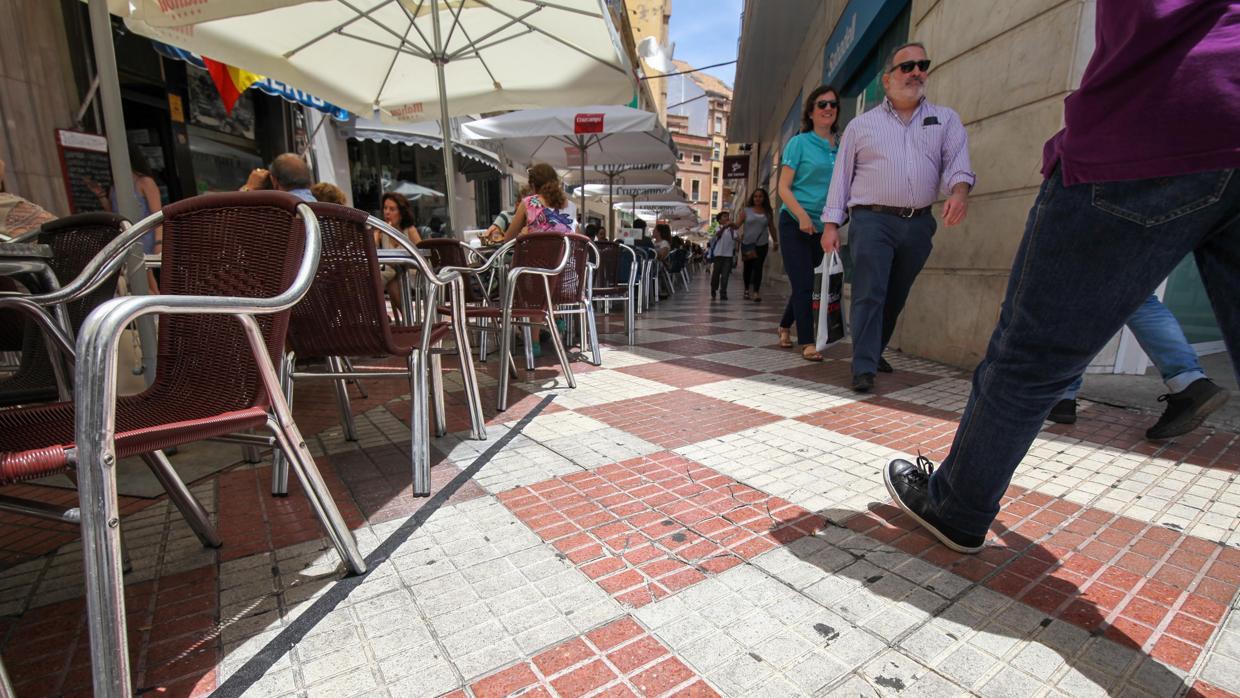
<point>411,191</point>
<point>402,56</point>
<point>622,175</point>
<point>635,192</point>
<point>574,137</point>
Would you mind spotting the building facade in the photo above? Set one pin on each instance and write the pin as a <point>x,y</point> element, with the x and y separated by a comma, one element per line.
<point>1006,69</point>
<point>700,105</point>
<point>693,174</point>
<point>651,18</point>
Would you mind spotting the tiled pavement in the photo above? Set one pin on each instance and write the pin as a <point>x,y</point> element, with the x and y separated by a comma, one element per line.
<point>703,515</point>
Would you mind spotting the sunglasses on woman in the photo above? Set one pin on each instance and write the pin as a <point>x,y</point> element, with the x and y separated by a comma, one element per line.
<point>907,66</point>
<point>824,103</point>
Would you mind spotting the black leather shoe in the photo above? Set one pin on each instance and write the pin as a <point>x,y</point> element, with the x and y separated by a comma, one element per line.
<point>1064,412</point>
<point>908,484</point>
<point>863,382</point>
<point>1187,409</point>
<point>883,366</point>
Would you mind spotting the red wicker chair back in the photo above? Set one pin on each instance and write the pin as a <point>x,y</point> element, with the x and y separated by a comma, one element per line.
<point>243,244</point>
<point>546,250</point>
<point>446,252</point>
<point>607,275</point>
<point>344,313</point>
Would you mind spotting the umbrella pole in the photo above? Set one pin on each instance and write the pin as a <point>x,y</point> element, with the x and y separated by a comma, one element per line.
<point>122,169</point>
<point>583,188</point>
<point>445,125</point>
<point>611,205</point>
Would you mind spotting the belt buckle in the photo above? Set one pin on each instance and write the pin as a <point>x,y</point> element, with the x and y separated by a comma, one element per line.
<point>907,212</point>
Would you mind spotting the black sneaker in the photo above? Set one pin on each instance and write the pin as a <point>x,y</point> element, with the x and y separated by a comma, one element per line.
<point>884,367</point>
<point>908,485</point>
<point>863,382</point>
<point>1187,409</point>
<point>712,295</point>
<point>1064,412</point>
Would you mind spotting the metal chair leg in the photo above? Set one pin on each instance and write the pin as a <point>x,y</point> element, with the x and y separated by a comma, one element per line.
<point>294,446</point>
<point>180,496</point>
<point>436,371</point>
<point>419,425</point>
<point>505,359</point>
<point>560,351</point>
<point>336,365</point>
<point>357,382</point>
<point>279,463</point>
<point>469,377</point>
<point>527,335</point>
<point>590,334</point>
<point>251,454</point>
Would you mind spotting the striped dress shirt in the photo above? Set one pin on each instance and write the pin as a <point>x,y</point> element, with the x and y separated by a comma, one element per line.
<point>883,161</point>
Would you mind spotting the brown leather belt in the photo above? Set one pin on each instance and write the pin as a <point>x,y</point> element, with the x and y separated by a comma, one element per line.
<point>894,210</point>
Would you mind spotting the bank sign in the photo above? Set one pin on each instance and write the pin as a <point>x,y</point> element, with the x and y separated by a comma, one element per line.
<point>858,30</point>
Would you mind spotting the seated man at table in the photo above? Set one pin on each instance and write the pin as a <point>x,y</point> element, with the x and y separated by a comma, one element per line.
<point>289,172</point>
<point>17,215</point>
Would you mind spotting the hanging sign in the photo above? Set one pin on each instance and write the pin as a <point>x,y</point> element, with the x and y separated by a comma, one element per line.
<point>736,166</point>
<point>86,169</point>
<point>588,123</point>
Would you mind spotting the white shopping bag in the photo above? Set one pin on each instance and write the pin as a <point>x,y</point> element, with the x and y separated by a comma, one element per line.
<point>830,309</point>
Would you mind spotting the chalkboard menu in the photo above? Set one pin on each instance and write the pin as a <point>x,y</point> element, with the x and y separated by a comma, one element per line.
<point>86,169</point>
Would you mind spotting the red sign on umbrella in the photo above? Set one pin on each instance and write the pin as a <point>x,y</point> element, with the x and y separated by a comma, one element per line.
<point>588,123</point>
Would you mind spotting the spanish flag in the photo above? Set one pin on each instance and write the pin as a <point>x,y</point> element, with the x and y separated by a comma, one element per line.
<point>230,81</point>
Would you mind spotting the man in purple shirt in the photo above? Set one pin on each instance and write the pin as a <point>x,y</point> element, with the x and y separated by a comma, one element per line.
<point>1143,173</point>
<point>892,163</point>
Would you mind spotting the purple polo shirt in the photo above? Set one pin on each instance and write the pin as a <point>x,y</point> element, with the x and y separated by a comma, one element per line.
<point>1160,96</point>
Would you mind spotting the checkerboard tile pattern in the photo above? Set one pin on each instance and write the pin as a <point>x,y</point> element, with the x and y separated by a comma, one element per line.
<point>702,515</point>
<point>647,528</point>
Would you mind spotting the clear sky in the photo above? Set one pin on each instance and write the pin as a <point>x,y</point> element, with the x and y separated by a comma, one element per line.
<point>705,32</point>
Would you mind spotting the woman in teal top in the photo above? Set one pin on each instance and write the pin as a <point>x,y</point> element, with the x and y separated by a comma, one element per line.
<point>805,175</point>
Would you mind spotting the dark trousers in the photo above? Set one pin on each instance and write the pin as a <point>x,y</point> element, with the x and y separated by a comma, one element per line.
<point>887,254</point>
<point>802,254</point>
<point>752,273</point>
<point>1091,255</point>
<point>719,274</point>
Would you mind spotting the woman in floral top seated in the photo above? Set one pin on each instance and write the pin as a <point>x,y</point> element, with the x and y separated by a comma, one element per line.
<point>546,210</point>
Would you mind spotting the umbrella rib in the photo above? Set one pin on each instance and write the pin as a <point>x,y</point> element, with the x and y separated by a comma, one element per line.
<point>475,48</point>
<point>405,47</point>
<point>552,5</point>
<point>339,28</point>
<point>470,42</point>
<point>395,55</point>
<point>555,38</point>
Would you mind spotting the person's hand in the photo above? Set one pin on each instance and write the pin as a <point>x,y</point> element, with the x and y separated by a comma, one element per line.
<point>955,208</point>
<point>94,188</point>
<point>830,238</point>
<point>258,180</point>
<point>805,224</point>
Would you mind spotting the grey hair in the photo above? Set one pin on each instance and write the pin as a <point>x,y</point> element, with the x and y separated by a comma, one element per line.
<point>291,171</point>
<point>891,57</point>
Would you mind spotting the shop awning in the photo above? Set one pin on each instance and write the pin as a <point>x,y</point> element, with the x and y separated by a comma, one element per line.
<point>425,134</point>
<point>771,38</point>
<point>274,88</point>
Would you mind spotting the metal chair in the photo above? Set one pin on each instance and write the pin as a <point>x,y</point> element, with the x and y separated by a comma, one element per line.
<point>574,297</point>
<point>526,294</point>
<point>343,315</point>
<point>74,240</point>
<point>233,266</point>
<point>677,263</point>
<point>615,279</point>
<point>446,252</point>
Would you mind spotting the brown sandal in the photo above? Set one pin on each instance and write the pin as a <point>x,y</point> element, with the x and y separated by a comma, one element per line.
<point>785,337</point>
<point>810,354</point>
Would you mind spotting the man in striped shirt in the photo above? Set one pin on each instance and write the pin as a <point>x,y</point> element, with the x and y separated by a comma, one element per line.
<point>892,163</point>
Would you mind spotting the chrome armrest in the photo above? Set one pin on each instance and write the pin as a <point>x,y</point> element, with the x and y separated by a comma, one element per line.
<point>486,265</point>
<point>59,338</point>
<point>413,257</point>
<point>102,265</point>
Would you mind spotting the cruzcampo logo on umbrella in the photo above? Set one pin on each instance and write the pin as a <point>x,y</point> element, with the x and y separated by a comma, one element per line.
<point>230,81</point>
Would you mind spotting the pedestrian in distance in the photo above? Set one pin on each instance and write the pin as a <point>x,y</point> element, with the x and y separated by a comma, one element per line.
<point>722,255</point>
<point>1124,198</point>
<point>893,162</point>
<point>758,234</point>
<point>805,176</point>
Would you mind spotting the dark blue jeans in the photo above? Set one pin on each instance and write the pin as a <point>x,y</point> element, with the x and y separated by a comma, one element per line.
<point>887,254</point>
<point>802,254</point>
<point>1090,256</point>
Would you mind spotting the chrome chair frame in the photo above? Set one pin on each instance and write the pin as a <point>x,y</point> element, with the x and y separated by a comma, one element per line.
<point>629,298</point>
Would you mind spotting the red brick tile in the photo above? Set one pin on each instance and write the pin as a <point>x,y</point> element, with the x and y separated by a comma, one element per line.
<point>602,567</point>
<point>662,677</point>
<point>1201,689</point>
<point>1128,633</point>
<point>615,633</point>
<point>1190,629</point>
<point>563,656</point>
<point>636,654</point>
<point>1143,611</point>
<point>621,581</point>
<point>1203,608</point>
<point>1178,654</point>
<point>695,690</point>
<point>583,680</point>
<point>506,682</point>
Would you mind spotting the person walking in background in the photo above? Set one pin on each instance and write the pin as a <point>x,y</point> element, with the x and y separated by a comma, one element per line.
<point>1122,193</point>
<point>805,175</point>
<point>722,255</point>
<point>893,161</point>
<point>1193,396</point>
<point>757,233</point>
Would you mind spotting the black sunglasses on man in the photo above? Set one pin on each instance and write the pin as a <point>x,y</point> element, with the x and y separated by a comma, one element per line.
<point>907,66</point>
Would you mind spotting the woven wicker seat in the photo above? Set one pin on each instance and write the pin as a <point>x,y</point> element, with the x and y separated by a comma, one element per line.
<point>233,264</point>
<point>615,279</point>
<point>343,315</point>
<point>74,240</point>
